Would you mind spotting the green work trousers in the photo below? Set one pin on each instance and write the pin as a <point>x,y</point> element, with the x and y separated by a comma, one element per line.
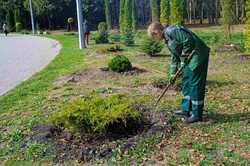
<point>193,89</point>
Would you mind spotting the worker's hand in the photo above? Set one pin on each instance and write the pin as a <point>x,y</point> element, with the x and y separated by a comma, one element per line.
<point>172,80</point>
<point>183,64</point>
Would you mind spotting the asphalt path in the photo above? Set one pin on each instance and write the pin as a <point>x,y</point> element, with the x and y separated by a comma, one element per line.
<point>21,56</point>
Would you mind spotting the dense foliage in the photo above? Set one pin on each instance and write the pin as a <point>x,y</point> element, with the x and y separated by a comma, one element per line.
<point>151,47</point>
<point>51,14</point>
<point>165,11</point>
<point>120,63</point>
<point>108,13</point>
<point>102,35</point>
<point>247,26</point>
<point>228,15</point>
<point>177,11</point>
<point>155,10</point>
<point>96,114</point>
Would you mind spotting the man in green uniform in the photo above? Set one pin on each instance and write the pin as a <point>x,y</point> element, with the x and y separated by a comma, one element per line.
<point>181,42</point>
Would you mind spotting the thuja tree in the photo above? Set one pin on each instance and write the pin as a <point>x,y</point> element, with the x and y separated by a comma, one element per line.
<point>127,15</point>
<point>227,15</point>
<point>134,16</point>
<point>155,10</point>
<point>177,11</point>
<point>122,15</point>
<point>127,21</point>
<point>108,13</point>
<point>164,17</point>
<point>247,25</point>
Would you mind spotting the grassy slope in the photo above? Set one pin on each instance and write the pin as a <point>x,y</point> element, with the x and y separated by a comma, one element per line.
<point>223,139</point>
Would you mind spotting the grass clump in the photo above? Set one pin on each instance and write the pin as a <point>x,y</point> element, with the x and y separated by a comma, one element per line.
<point>120,63</point>
<point>97,114</point>
<point>151,47</point>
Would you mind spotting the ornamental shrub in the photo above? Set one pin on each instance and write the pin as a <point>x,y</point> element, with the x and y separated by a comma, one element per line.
<point>97,114</point>
<point>102,36</point>
<point>151,47</point>
<point>120,64</point>
<point>18,27</point>
<point>128,38</point>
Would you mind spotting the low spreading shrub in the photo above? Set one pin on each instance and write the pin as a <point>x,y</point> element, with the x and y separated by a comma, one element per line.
<point>102,35</point>
<point>151,47</point>
<point>120,63</point>
<point>97,114</point>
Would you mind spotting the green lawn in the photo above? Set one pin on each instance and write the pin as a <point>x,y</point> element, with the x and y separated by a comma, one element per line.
<point>223,139</point>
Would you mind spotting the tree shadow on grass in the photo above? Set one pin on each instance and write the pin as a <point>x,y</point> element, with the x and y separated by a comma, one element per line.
<point>227,118</point>
<point>218,84</point>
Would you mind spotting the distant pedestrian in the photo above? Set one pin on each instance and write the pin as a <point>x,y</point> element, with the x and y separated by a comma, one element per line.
<point>86,32</point>
<point>5,29</point>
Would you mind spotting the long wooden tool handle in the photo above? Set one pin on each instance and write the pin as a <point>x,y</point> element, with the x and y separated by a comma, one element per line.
<point>177,74</point>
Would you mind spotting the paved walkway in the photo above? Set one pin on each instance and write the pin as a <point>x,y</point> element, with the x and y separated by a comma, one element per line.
<point>21,56</point>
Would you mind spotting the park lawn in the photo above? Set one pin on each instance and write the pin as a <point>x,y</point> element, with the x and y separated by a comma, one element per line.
<point>223,139</point>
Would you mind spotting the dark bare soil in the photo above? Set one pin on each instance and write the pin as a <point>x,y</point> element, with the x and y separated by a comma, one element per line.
<point>162,85</point>
<point>85,147</point>
<point>93,74</point>
<point>228,48</point>
<point>242,57</point>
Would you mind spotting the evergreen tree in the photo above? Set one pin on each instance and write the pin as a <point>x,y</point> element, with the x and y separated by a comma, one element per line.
<point>134,16</point>
<point>227,15</point>
<point>108,14</point>
<point>121,16</point>
<point>177,11</point>
<point>127,22</point>
<point>247,25</point>
<point>164,18</point>
<point>155,10</point>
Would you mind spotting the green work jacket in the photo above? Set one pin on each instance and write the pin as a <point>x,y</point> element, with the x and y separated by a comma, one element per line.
<point>181,42</point>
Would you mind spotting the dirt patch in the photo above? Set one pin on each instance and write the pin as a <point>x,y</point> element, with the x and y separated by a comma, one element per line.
<point>94,74</point>
<point>83,76</point>
<point>133,71</point>
<point>229,48</point>
<point>242,57</point>
<point>86,148</point>
<point>163,85</point>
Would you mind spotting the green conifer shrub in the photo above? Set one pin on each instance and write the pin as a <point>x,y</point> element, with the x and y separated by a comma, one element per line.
<point>120,63</point>
<point>97,114</point>
<point>151,47</point>
<point>102,35</point>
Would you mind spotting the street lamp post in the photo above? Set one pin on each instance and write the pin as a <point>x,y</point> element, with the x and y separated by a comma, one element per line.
<point>80,24</point>
<point>32,17</point>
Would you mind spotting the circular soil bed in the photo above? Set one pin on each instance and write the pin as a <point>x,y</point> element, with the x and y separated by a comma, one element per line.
<point>94,74</point>
<point>86,147</point>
